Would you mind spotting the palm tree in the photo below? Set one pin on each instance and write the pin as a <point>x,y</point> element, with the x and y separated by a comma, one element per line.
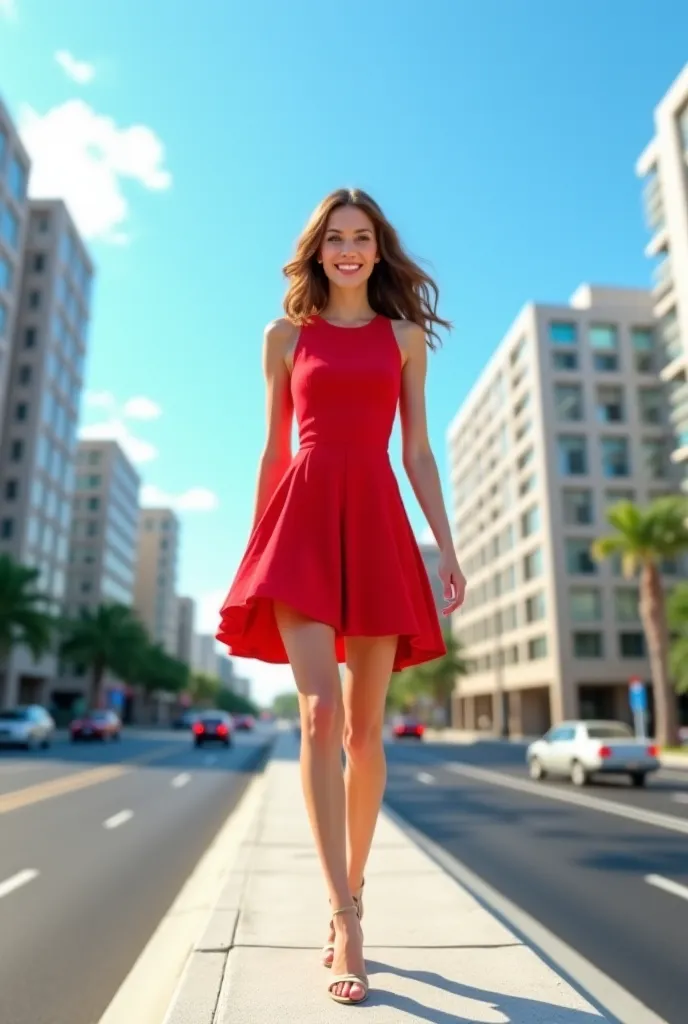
<point>109,638</point>
<point>23,618</point>
<point>155,669</point>
<point>677,613</point>
<point>435,679</point>
<point>643,539</point>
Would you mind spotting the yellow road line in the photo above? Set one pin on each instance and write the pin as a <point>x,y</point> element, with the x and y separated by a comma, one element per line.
<point>79,780</point>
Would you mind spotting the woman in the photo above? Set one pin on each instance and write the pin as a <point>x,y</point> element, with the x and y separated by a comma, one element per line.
<point>332,572</point>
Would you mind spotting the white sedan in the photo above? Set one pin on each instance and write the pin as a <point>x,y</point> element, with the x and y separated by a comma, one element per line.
<point>583,749</point>
<point>28,726</point>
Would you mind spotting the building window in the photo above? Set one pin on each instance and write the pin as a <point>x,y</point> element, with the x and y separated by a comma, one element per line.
<point>16,179</point>
<point>34,299</point>
<point>654,457</point>
<point>525,459</point>
<point>24,374</point>
<point>610,405</point>
<point>585,604</point>
<point>572,455</point>
<point>94,458</point>
<point>16,451</point>
<point>651,405</point>
<point>588,645</point>
<point>527,486</point>
<point>94,504</point>
<point>532,565</point>
<point>604,343</point>
<point>579,561</point>
<point>9,227</point>
<point>563,333</point>
<point>38,263</point>
<point>565,360</point>
<point>6,528</point>
<point>30,337</point>
<point>578,507</point>
<point>568,402</point>
<point>517,351</point>
<point>615,459</point>
<point>535,607</point>
<point>632,645</point>
<point>21,412</point>
<point>11,489</point>
<point>537,648</point>
<point>5,274</point>
<point>627,604</point>
<point>530,521</point>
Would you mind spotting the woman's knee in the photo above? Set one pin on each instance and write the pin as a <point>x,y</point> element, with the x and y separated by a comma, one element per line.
<point>323,714</point>
<point>363,740</point>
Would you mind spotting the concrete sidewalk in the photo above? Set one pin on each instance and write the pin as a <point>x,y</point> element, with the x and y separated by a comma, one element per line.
<point>433,952</point>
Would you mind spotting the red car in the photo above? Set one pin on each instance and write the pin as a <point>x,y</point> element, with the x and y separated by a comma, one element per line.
<point>244,723</point>
<point>96,725</point>
<point>407,727</point>
<point>212,726</point>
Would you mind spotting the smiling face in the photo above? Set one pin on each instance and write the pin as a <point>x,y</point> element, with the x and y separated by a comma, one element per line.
<point>349,247</point>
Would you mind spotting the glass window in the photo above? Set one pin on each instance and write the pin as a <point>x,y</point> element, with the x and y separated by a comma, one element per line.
<point>3,318</point>
<point>6,528</point>
<point>588,645</point>
<point>16,179</point>
<point>627,604</point>
<point>24,374</point>
<point>579,561</point>
<point>9,227</point>
<point>537,648</point>
<point>654,458</point>
<point>5,274</point>
<point>565,360</point>
<point>610,405</point>
<point>530,521</point>
<point>642,339</point>
<point>21,412</point>
<point>572,455</point>
<point>603,337</point>
<point>535,607</point>
<point>568,402</point>
<point>632,645</point>
<point>578,507</point>
<point>563,333</point>
<point>651,405</point>
<point>11,490</point>
<point>16,451</point>
<point>615,458</point>
<point>586,604</point>
<point>30,337</point>
<point>532,565</point>
<point>528,485</point>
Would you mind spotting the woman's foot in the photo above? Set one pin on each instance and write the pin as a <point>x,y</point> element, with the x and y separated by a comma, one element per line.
<point>328,948</point>
<point>348,961</point>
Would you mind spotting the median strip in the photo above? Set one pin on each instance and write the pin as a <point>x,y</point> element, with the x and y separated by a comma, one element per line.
<point>17,881</point>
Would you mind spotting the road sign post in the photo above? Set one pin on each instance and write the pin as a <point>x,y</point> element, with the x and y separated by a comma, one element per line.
<point>637,698</point>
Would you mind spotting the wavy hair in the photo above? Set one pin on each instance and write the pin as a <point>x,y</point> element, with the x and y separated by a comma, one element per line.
<point>397,287</point>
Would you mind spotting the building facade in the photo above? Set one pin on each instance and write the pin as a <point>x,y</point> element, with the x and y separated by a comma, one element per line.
<point>38,441</point>
<point>664,168</point>
<point>567,418</point>
<point>156,575</point>
<point>186,617</point>
<point>205,657</point>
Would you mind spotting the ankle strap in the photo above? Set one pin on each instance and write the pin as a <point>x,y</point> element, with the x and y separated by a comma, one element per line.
<point>345,910</point>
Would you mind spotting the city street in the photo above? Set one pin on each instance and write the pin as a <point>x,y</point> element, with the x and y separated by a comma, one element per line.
<point>97,840</point>
<point>613,888</point>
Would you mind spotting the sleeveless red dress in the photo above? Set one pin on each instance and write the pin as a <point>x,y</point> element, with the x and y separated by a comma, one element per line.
<point>335,542</point>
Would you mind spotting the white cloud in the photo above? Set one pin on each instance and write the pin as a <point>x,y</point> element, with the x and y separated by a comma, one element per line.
<point>8,9</point>
<point>141,408</point>
<point>84,157</point>
<point>195,499</point>
<point>115,429</point>
<point>78,70</point>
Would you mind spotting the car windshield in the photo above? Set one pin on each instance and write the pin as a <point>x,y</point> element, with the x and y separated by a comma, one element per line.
<point>609,731</point>
<point>98,716</point>
<point>14,715</point>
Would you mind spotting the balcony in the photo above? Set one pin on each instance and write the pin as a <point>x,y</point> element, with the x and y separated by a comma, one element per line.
<point>663,279</point>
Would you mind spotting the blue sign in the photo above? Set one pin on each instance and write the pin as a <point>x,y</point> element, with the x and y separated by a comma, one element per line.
<point>637,696</point>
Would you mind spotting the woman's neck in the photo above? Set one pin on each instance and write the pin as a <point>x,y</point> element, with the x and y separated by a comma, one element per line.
<point>348,305</point>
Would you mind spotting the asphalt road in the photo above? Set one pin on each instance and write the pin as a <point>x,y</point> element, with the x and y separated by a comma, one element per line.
<point>95,843</point>
<point>580,870</point>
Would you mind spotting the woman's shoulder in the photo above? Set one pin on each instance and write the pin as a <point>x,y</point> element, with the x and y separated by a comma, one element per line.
<point>408,334</point>
<point>281,334</point>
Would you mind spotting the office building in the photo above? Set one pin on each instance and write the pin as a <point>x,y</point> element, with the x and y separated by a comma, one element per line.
<point>205,656</point>
<point>38,441</point>
<point>567,418</point>
<point>186,617</point>
<point>156,575</point>
<point>664,168</point>
<point>225,671</point>
<point>14,173</point>
<point>430,554</point>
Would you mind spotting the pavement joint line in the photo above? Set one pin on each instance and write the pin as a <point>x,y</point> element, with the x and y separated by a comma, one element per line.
<point>121,818</point>
<point>593,803</point>
<point>667,885</point>
<point>17,881</point>
<point>610,998</point>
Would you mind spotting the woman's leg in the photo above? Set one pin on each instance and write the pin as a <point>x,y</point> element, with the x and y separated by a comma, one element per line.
<point>310,648</point>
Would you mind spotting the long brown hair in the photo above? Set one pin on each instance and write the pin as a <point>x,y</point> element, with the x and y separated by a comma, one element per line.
<point>397,287</point>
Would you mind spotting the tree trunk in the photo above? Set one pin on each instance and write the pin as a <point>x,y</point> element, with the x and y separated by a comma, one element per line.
<point>653,613</point>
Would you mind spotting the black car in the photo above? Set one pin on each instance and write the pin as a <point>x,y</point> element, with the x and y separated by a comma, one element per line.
<point>212,727</point>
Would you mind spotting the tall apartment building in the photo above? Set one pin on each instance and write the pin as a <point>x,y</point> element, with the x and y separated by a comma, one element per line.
<point>186,616</point>
<point>430,554</point>
<point>205,657</point>
<point>664,166</point>
<point>156,575</point>
<point>567,418</point>
<point>38,440</point>
<point>14,173</point>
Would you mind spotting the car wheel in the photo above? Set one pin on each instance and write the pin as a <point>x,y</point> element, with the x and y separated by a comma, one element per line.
<point>638,779</point>
<point>536,769</point>
<point>579,776</point>
<point>46,744</point>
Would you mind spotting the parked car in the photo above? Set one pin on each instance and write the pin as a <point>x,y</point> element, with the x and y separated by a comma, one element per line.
<point>584,749</point>
<point>28,726</point>
<point>96,725</point>
<point>405,727</point>
<point>244,723</point>
<point>212,727</point>
<point>185,720</point>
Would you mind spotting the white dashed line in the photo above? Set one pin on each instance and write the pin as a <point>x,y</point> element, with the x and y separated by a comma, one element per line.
<point>680,798</point>
<point>425,778</point>
<point>668,886</point>
<point>118,819</point>
<point>17,881</point>
<point>181,780</point>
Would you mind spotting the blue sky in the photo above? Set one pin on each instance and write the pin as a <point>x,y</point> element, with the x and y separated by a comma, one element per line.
<point>192,142</point>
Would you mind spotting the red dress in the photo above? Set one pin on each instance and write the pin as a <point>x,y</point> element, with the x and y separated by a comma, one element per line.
<point>335,542</point>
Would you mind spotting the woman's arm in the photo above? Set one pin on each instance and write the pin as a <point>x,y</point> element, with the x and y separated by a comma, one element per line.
<point>419,462</point>
<point>279,339</point>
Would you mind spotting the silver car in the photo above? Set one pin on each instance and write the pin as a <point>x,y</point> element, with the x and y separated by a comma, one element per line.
<point>583,749</point>
<point>29,726</point>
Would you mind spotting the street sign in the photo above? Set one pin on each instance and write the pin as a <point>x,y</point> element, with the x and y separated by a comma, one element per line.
<point>637,698</point>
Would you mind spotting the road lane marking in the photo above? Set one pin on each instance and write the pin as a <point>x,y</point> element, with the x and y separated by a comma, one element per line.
<point>668,886</point>
<point>592,803</point>
<point>425,778</point>
<point>181,780</point>
<point>680,798</point>
<point>17,881</point>
<point>28,795</point>
<point>118,819</point>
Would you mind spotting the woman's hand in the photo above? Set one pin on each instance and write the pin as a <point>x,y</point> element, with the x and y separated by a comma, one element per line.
<point>453,580</point>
